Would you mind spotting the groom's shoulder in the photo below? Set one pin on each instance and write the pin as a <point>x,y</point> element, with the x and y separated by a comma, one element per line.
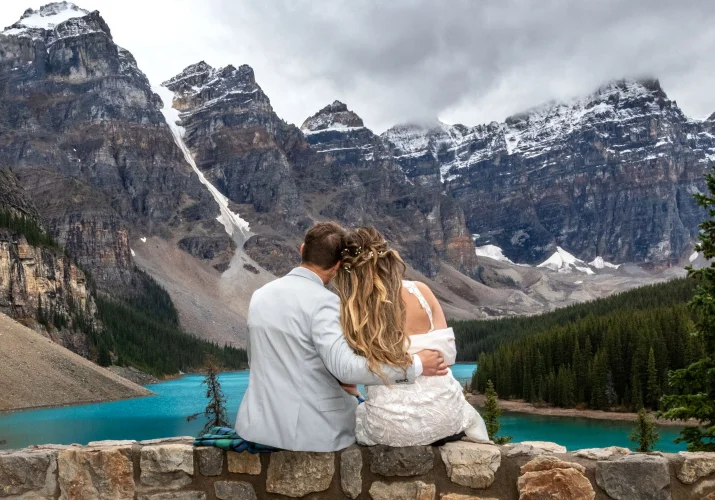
<point>291,282</point>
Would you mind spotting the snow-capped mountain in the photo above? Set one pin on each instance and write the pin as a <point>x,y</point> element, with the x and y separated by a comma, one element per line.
<point>90,142</point>
<point>333,117</point>
<point>610,174</point>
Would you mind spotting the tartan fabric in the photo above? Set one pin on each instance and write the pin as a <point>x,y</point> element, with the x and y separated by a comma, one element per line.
<point>226,438</point>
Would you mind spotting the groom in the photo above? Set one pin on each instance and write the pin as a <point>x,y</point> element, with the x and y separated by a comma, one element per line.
<point>298,354</point>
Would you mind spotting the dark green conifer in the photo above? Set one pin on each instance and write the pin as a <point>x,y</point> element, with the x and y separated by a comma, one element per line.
<point>693,387</point>
<point>644,434</point>
<point>491,413</point>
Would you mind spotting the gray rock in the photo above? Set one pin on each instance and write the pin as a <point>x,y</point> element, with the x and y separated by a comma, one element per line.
<point>471,464</point>
<point>413,490</point>
<point>521,450</point>
<point>635,477</point>
<point>111,443</point>
<point>234,490</point>
<point>407,461</point>
<point>533,448</point>
<point>106,473</point>
<point>351,472</point>
<point>175,495</point>
<point>244,463</point>
<point>171,440</point>
<point>168,466</point>
<point>28,471</point>
<point>602,453</point>
<point>545,446</point>
<point>295,474</point>
<point>695,465</point>
<point>210,460</point>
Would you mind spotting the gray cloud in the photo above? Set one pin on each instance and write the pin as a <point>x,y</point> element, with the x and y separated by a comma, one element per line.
<point>461,61</point>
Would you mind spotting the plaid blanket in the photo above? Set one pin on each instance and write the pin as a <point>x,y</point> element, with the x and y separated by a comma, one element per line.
<point>227,439</point>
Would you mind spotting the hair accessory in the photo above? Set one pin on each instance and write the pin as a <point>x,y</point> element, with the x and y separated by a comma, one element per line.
<point>347,269</point>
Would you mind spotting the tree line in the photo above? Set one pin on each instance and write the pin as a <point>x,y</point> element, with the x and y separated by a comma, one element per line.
<point>144,332</point>
<point>477,336</point>
<point>614,352</point>
<point>28,227</point>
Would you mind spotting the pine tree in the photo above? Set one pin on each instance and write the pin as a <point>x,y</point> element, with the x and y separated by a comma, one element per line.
<point>41,319</point>
<point>491,413</point>
<point>653,388</point>
<point>644,434</point>
<point>104,359</point>
<point>693,388</point>
<point>215,411</point>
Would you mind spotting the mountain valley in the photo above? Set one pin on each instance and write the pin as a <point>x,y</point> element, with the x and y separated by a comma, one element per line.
<point>198,182</point>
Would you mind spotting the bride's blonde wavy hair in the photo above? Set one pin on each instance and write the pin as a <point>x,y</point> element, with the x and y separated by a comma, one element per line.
<point>372,312</point>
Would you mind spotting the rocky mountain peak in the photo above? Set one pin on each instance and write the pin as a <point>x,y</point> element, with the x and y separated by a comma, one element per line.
<point>50,15</point>
<point>201,79</point>
<point>335,116</point>
<point>56,21</point>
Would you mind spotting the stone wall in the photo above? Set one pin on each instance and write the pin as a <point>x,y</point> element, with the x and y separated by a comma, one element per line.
<point>174,469</point>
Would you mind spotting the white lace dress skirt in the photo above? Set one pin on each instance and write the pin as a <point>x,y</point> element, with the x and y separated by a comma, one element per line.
<point>431,409</point>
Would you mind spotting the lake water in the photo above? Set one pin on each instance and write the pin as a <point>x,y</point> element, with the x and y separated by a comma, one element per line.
<point>164,415</point>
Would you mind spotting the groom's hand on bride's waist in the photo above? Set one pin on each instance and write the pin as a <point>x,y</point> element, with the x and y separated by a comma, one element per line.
<point>432,363</point>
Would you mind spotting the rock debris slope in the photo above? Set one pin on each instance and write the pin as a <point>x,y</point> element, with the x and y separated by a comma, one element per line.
<point>36,372</point>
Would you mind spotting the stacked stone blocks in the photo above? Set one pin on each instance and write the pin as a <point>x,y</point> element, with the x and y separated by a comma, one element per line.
<point>173,469</point>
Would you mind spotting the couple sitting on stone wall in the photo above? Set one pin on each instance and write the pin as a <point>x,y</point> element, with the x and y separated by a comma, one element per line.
<point>308,348</point>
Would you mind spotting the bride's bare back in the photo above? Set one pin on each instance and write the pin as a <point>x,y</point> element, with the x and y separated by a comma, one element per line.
<point>417,321</point>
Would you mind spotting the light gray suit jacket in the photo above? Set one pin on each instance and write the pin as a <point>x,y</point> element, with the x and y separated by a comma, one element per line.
<point>297,354</point>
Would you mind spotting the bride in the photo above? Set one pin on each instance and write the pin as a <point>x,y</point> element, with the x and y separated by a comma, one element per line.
<point>386,320</point>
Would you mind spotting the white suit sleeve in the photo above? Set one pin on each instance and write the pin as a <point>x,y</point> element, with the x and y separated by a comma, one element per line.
<point>338,356</point>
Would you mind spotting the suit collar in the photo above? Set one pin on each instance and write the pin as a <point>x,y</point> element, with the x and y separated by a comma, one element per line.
<point>306,273</point>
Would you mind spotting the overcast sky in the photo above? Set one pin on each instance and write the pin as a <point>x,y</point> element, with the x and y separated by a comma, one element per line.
<point>395,61</point>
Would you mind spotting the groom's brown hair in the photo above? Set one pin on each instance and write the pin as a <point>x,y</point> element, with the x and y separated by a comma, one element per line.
<point>323,244</point>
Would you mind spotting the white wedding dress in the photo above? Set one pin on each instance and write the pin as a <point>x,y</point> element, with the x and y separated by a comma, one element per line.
<point>431,409</point>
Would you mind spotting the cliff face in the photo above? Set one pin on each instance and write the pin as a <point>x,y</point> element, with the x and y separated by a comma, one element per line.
<point>281,179</point>
<point>40,276</point>
<point>610,174</point>
<point>84,134</point>
<point>427,224</point>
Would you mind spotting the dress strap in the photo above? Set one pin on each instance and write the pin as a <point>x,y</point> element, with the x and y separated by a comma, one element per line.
<point>412,288</point>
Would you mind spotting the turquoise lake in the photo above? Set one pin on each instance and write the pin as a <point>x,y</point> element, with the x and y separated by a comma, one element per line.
<point>164,415</point>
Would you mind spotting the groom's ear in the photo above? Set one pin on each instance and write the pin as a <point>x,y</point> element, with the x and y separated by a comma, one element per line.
<point>302,246</point>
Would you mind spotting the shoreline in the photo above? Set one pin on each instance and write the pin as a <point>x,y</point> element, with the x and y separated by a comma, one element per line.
<point>76,403</point>
<point>520,406</point>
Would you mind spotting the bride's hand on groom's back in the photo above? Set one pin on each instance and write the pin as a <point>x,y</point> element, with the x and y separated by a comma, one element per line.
<point>432,363</point>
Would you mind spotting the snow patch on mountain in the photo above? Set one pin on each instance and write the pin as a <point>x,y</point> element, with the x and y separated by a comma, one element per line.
<point>337,127</point>
<point>50,15</point>
<point>492,252</point>
<point>236,227</point>
<point>599,263</point>
<point>536,132</point>
<point>564,262</point>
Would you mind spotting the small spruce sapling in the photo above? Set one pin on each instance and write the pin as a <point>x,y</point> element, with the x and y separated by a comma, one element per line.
<point>644,434</point>
<point>491,413</point>
<point>215,412</point>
